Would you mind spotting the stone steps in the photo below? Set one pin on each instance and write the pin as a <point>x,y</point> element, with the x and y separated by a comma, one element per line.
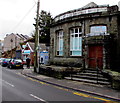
<point>88,80</point>
<point>90,76</point>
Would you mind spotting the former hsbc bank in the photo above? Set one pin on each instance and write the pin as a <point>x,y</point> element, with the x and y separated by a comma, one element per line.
<point>87,37</point>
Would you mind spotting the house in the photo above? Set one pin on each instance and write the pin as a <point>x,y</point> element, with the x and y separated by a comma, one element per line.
<point>1,48</point>
<point>18,52</point>
<point>87,37</point>
<point>12,40</point>
<point>28,51</point>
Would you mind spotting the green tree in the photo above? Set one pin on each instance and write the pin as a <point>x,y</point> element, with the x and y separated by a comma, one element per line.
<point>45,19</point>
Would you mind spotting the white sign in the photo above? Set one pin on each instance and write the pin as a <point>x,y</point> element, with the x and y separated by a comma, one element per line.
<point>80,12</point>
<point>26,52</point>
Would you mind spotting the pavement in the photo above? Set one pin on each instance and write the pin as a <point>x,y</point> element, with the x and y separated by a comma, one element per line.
<point>94,89</point>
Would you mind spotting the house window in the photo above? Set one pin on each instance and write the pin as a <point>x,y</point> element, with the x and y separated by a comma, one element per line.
<point>60,43</point>
<point>76,41</point>
<point>98,30</point>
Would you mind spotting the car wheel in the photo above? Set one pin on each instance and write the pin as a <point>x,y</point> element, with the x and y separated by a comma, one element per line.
<point>10,67</point>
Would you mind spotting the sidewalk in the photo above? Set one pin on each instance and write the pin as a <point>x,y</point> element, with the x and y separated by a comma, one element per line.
<point>96,89</point>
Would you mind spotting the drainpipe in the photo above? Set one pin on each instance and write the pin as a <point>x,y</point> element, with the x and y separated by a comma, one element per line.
<point>84,61</point>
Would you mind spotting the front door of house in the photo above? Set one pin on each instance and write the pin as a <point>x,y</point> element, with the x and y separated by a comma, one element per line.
<point>95,56</point>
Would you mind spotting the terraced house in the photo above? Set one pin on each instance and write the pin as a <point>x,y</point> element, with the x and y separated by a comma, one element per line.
<point>87,37</point>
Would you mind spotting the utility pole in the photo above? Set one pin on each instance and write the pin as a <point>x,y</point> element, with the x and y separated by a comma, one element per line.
<point>11,46</point>
<point>36,50</point>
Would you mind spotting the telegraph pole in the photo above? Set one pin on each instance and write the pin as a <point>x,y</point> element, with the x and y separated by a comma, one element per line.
<point>36,50</point>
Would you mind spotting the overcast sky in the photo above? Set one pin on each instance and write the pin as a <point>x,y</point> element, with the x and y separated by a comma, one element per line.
<point>17,16</point>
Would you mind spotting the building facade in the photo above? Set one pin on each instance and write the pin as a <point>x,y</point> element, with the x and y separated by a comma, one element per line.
<point>87,37</point>
<point>28,51</point>
<point>12,40</point>
<point>1,48</point>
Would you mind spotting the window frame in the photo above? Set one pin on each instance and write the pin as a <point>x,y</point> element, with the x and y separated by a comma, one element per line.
<point>75,38</point>
<point>102,30</point>
<point>59,39</point>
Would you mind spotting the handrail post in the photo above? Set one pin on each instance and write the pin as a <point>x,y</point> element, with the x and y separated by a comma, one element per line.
<point>97,68</point>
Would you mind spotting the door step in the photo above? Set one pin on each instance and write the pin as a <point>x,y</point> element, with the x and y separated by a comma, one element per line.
<point>90,76</point>
<point>88,80</point>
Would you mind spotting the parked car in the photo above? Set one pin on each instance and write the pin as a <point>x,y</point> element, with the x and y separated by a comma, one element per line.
<point>15,63</point>
<point>1,59</point>
<point>5,62</point>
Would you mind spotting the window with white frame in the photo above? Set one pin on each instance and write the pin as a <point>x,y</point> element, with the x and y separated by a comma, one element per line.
<point>76,41</point>
<point>98,30</point>
<point>60,42</point>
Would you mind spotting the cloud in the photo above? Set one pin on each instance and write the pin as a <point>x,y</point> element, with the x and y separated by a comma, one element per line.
<point>13,11</point>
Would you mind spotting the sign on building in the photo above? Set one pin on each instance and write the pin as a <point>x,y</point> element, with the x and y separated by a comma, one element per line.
<point>44,57</point>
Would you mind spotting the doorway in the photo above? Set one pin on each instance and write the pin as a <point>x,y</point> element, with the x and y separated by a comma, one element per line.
<point>95,56</point>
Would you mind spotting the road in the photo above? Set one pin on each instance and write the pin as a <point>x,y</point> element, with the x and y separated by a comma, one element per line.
<point>16,87</point>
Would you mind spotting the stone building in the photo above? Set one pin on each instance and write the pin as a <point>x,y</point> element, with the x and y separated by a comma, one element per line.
<point>87,37</point>
<point>12,40</point>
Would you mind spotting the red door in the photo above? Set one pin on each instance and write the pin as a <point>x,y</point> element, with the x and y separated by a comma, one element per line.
<point>95,56</point>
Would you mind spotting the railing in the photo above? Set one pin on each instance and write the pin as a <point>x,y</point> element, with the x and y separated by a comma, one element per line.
<point>97,67</point>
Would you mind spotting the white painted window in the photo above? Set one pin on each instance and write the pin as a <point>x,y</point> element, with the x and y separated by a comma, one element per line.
<point>76,41</point>
<point>60,43</point>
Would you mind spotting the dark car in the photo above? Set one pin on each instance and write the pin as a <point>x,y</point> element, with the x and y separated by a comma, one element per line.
<point>5,62</point>
<point>15,63</point>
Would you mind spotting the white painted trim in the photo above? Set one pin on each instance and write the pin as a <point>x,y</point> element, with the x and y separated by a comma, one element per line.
<point>30,47</point>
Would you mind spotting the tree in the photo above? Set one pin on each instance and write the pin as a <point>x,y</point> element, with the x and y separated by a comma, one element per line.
<point>45,19</point>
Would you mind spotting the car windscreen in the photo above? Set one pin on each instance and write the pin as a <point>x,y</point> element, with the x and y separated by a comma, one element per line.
<point>17,60</point>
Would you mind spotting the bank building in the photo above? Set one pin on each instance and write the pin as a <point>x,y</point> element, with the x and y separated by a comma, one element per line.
<point>87,37</point>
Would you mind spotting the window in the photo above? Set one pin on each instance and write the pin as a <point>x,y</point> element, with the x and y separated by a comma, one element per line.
<point>76,41</point>
<point>98,30</point>
<point>60,43</point>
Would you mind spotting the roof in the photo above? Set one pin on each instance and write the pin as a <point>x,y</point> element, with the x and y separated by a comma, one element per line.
<point>90,5</point>
<point>25,37</point>
<point>87,9</point>
<point>32,46</point>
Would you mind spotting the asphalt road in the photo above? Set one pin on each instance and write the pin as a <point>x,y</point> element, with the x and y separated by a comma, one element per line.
<point>16,87</point>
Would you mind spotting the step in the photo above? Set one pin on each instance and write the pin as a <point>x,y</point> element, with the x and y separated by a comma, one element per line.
<point>91,74</point>
<point>91,71</point>
<point>88,81</point>
<point>90,77</point>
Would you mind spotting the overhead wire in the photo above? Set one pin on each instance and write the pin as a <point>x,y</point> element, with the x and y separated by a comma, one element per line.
<point>34,1</point>
<point>24,17</point>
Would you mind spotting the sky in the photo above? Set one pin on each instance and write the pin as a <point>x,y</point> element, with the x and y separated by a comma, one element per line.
<point>17,16</point>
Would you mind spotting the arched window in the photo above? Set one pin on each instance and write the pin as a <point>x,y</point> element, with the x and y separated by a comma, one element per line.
<point>98,30</point>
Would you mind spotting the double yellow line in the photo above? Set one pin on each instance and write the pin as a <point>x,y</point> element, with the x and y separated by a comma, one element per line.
<point>75,93</point>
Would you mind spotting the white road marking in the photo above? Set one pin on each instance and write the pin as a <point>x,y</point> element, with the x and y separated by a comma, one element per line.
<point>8,83</point>
<point>38,98</point>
